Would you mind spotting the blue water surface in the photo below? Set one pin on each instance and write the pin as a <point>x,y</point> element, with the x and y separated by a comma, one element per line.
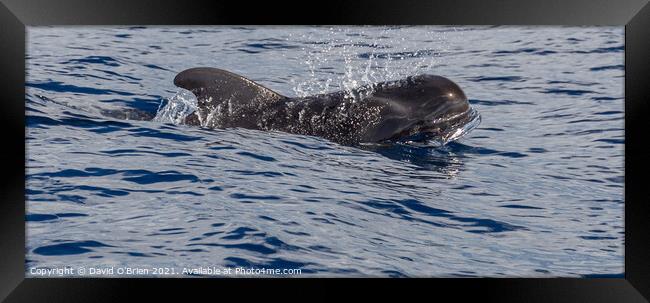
<point>535,191</point>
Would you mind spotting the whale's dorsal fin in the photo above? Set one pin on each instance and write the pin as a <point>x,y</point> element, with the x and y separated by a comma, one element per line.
<point>221,85</point>
<point>207,82</point>
<point>213,86</point>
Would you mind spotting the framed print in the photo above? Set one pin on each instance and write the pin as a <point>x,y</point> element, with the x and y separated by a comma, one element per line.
<point>488,147</point>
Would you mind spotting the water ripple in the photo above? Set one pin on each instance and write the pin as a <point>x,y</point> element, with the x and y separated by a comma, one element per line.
<point>106,185</point>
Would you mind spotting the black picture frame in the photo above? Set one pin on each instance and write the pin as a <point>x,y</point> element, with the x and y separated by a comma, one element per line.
<point>15,15</point>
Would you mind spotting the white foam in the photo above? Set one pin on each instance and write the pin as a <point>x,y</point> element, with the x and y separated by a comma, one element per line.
<point>177,108</point>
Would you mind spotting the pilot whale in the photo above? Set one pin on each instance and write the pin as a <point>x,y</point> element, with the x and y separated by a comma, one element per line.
<point>423,109</point>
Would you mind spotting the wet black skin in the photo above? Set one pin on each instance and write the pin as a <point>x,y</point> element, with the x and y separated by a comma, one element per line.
<point>415,108</point>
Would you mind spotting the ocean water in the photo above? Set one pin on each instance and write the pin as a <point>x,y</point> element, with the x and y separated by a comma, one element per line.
<point>535,191</point>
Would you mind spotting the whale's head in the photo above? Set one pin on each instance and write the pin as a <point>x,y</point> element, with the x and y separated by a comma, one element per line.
<point>421,110</point>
